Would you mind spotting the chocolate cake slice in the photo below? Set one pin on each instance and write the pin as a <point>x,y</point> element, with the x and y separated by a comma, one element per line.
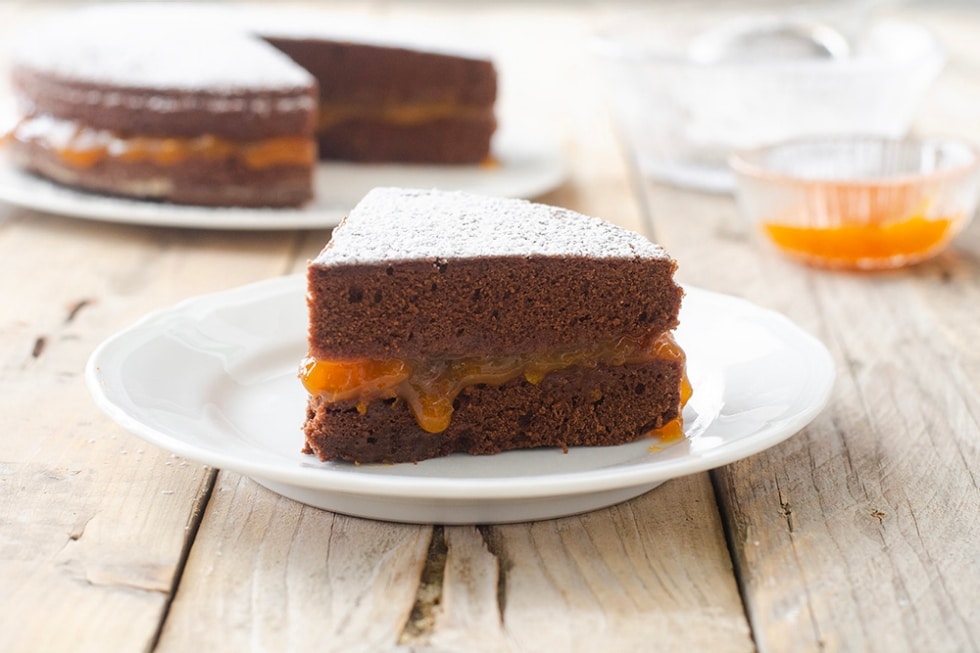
<point>447,322</point>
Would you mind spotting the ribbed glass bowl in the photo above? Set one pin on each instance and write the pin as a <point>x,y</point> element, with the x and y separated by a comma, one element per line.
<point>859,202</point>
<point>682,109</point>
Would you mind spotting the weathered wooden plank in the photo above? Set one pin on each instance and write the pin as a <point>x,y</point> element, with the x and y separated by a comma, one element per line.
<point>859,533</point>
<point>870,506</point>
<point>267,573</point>
<point>652,574</point>
<point>93,522</point>
<point>84,573</point>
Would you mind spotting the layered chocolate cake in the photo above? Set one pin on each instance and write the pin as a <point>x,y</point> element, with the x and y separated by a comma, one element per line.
<point>384,97</point>
<point>142,102</point>
<point>195,104</point>
<point>447,322</point>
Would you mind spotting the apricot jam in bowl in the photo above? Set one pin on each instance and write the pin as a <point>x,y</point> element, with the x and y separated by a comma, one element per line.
<point>859,203</point>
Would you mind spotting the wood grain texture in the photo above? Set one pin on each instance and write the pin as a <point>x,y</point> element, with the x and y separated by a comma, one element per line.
<point>871,505</point>
<point>94,523</point>
<point>267,573</point>
<point>858,534</point>
<point>644,575</point>
<point>651,574</point>
<point>861,532</point>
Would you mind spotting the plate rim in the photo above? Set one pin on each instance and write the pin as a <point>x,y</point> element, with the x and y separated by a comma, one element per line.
<point>348,482</point>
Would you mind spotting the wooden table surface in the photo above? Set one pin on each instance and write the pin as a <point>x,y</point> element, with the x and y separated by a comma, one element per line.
<point>860,533</point>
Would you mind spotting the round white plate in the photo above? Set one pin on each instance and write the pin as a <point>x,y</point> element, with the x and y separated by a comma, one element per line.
<point>525,168</point>
<point>214,379</point>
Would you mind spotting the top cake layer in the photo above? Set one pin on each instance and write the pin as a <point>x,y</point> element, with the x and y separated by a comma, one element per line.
<point>181,70</point>
<point>156,46</point>
<point>416,273</point>
<point>161,70</point>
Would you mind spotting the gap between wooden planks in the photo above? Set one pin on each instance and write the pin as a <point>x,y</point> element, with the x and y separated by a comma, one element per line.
<point>639,576</point>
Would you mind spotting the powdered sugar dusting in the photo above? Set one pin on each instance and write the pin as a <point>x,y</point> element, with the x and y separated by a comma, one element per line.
<point>307,22</point>
<point>158,46</point>
<point>394,224</point>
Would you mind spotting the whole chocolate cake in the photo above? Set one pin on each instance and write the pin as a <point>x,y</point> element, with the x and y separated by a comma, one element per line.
<point>198,104</point>
<point>447,322</point>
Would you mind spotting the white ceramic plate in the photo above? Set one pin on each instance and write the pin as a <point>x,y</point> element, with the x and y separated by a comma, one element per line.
<point>214,379</point>
<point>527,167</point>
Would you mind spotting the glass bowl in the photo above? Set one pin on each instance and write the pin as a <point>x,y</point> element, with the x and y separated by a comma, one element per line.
<point>687,94</point>
<point>859,202</point>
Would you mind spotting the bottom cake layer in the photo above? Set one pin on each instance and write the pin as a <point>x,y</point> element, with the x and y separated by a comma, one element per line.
<point>447,141</point>
<point>205,182</point>
<point>578,407</point>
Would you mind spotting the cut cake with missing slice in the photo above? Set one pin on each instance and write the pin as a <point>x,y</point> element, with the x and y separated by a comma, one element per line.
<point>231,106</point>
<point>444,322</point>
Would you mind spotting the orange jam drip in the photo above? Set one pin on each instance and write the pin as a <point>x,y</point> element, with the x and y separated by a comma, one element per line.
<point>430,386</point>
<point>82,147</point>
<point>851,244</point>
<point>674,429</point>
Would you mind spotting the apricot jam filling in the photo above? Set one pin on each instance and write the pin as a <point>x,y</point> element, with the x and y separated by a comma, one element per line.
<point>82,147</point>
<point>331,115</point>
<point>430,386</point>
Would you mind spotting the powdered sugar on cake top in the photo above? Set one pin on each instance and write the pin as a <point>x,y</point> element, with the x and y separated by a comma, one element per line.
<point>156,46</point>
<point>395,224</point>
<point>310,22</point>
